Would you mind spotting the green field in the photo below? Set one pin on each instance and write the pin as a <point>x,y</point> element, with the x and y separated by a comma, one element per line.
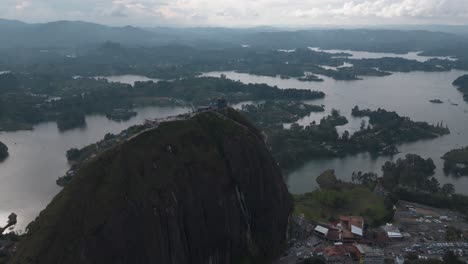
<point>328,205</point>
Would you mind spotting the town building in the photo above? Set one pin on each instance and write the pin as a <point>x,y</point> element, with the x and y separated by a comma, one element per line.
<point>369,255</point>
<point>342,254</point>
<point>392,232</point>
<point>352,228</point>
<point>221,103</point>
<point>321,231</point>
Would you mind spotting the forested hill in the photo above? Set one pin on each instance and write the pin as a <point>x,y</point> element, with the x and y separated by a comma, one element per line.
<point>77,33</point>
<point>200,190</point>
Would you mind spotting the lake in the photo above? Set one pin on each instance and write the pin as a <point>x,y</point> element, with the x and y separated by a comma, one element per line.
<point>127,79</point>
<point>406,93</point>
<point>378,55</point>
<point>37,159</point>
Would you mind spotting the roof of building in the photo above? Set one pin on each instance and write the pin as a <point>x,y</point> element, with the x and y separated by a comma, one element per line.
<point>360,248</point>
<point>346,234</point>
<point>333,235</point>
<point>357,221</point>
<point>394,234</point>
<point>338,250</point>
<point>381,237</point>
<point>321,230</point>
<point>366,250</point>
<point>392,231</point>
<point>356,230</point>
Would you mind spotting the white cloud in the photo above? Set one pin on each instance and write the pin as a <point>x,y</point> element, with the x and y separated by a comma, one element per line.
<point>22,5</point>
<point>404,8</point>
<point>239,12</point>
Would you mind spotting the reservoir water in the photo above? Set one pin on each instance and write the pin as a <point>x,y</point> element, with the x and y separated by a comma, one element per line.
<point>377,55</point>
<point>37,159</point>
<point>127,79</point>
<point>406,93</point>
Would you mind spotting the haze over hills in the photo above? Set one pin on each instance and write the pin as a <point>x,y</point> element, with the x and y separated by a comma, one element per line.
<point>137,125</point>
<point>78,33</point>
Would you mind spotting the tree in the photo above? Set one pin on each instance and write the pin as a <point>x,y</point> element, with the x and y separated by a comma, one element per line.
<point>327,180</point>
<point>3,151</point>
<point>368,179</point>
<point>355,111</point>
<point>11,222</point>
<point>335,113</point>
<point>73,154</point>
<point>363,124</point>
<point>448,189</point>
<point>390,175</point>
<point>453,234</point>
<point>451,258</point>
<point>345,136</point>
<point>109,136</point>
<point>432,185</point>
<point>413,171</point>
<point>8,83</point>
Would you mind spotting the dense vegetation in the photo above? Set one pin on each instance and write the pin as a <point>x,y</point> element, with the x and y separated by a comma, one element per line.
<point>40,98</point>
<point>277,112</point>
<point>70,120</point>
<point>3,151</point>
<point>456,162</point>
<point>29,99</point>
<point>182,61</point>
<point>412,172</point>
<point>397,129</point>
<point>411,179</point>
<point>297,145</point>
<point>462,84</point>
<point>292,147</point>
<point>337,198</point>
<point>202,91</point>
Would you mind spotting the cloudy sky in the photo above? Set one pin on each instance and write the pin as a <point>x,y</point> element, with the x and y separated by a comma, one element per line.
<point>240,12</point>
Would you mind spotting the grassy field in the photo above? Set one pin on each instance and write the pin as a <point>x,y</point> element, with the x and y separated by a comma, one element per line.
<point>327,205</point>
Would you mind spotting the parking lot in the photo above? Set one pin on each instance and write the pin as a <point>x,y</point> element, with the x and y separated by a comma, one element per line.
<point>438,249</point>
<point>425,228</point>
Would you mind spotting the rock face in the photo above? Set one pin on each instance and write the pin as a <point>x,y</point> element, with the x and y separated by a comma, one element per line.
<point>202,190</point>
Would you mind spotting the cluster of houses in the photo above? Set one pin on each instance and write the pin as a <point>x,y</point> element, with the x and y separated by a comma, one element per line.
<point>349,242</point>
<point>348,229</point>
<point>352,253</point>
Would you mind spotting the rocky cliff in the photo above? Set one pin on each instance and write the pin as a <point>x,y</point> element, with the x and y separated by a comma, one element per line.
<point>202,190</point>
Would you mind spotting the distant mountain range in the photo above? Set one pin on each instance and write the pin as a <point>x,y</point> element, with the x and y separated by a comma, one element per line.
<point>69,33</point>
<point>78,34</point>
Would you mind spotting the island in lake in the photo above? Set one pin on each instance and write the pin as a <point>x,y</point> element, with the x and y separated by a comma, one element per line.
<point>456,162</point>
<point>462,84</point>
<point>297,145</point>
<point>3,151</point>
<point>436,101</point>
